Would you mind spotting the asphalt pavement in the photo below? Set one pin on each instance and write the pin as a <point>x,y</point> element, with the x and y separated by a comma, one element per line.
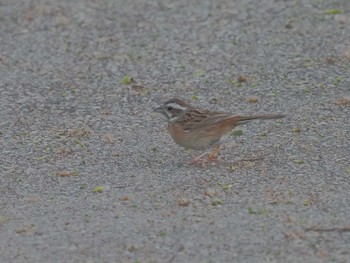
<point>88,172</point>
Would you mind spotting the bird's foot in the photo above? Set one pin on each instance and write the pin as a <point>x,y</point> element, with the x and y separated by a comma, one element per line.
<point>214,153</point>
<point>202,160</point>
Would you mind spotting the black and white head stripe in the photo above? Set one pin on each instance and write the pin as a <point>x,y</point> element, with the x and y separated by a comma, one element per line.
<point>173,109</point>
<point>175,106</point>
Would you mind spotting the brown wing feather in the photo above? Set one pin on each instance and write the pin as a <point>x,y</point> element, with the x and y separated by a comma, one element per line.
<point>196,119</point>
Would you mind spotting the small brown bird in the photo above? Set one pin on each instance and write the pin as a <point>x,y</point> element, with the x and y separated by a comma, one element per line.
<point>200,129</point>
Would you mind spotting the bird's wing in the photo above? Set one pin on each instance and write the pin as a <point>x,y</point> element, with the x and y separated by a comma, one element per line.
<point>196,119</point>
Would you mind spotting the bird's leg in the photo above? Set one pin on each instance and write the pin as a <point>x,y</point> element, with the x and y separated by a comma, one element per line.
<point>199,159</point>
<point>212,156</point>
<point>202,161</point>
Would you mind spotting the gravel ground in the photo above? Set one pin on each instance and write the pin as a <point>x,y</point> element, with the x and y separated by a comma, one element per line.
<point>89,173</point>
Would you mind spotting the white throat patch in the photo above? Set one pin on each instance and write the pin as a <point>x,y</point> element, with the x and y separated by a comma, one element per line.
<point>174,118</point>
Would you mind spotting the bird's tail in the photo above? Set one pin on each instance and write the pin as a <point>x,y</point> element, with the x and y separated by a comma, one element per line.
<point>245,119</point>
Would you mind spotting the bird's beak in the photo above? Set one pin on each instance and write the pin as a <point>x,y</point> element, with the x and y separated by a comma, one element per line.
<point>158,109</point>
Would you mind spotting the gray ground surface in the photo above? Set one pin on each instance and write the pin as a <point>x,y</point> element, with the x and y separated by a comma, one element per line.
<point>280,192</point>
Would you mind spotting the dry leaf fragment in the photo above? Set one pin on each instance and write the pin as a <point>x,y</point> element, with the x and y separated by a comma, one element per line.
<point>211,192</point>
<point>343,101</point>
<point>109,138</point>
<point>67,173</point>
<point>253,99</point>
<point>242,78</point>
<point>183,201</point>
<point>125,198</point>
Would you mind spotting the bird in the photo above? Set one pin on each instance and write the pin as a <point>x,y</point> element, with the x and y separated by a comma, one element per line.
<point>201,129</point>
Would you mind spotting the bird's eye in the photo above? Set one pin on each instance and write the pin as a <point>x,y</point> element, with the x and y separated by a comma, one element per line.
<point>170,108</point>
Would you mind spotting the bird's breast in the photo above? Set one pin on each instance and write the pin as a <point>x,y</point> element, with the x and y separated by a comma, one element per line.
<point>196,140</point>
